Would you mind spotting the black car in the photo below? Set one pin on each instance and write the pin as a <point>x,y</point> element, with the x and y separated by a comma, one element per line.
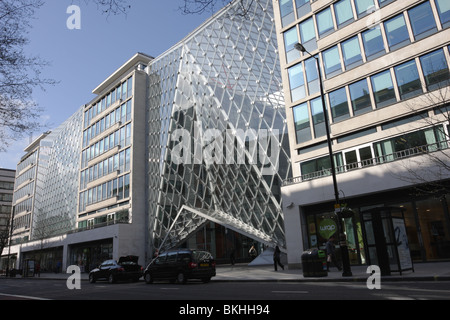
<point>181,265</point>
<point>126,268</point>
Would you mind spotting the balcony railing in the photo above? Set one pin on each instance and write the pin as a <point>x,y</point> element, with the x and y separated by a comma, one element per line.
<point>403,154</point>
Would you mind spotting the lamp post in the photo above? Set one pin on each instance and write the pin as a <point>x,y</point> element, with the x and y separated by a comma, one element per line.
<point>343,244</point>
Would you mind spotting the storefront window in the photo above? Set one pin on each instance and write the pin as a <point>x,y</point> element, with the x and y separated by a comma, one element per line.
<point>411,229</point>
<point>434,226</point>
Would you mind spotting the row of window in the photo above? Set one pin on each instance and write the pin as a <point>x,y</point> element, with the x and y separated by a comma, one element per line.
<point>22,222</point>
<point>374,92</point>
<point>120,114</point>
<point>5,209</point>
<point>5,185</point>
<point>118,162</point>
<point>119,187</point>
<point>340,14</point>
<point>31,159</point>
<point>343,9</point>
<point>123,91</point>
<point>24,191</point>
<point>377,152</point>
<point>27,175</point>
<point>23,206</point>
<point>121,137</point>
<point>6,197</point>
<point>365,46</point>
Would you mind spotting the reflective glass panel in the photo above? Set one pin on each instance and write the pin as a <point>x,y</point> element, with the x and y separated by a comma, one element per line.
<point>422,20</point>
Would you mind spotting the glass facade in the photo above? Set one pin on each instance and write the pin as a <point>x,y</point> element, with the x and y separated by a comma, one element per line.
<point>218,147</point>
<point>57,177</point>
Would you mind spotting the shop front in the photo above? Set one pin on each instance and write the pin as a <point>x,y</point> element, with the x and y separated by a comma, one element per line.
<point>427,223</point>
<point>89,255</point>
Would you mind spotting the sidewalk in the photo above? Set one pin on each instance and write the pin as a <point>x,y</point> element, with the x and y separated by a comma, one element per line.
<point>431,271</point>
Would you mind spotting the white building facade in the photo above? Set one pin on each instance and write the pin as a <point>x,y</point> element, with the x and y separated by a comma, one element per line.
<point>385,74</point>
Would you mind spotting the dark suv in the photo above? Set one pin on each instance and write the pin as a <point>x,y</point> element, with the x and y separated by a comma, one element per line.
<point>181,265</point>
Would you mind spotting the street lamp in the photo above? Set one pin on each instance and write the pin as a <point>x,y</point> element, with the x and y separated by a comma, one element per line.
<point>345,258</point>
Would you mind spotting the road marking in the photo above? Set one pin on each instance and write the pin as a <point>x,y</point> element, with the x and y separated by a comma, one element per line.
<point>170,288</point>
<point>299,292</point>
<point>21,297</point>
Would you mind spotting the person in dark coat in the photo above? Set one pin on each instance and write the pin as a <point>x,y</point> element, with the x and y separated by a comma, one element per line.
<point>277,259</point>
<point>331,254</point>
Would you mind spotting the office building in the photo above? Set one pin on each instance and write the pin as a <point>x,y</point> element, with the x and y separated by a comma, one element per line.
<point>385,74</point>
<point>186,149</point>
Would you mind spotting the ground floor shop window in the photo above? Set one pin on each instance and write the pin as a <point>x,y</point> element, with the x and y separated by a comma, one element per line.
<point>90,255</point>
<point>427,222</point>
<point>322,226</point>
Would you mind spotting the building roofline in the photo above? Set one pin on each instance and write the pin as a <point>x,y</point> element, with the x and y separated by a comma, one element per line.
<point>36,142</point>
<point>138,57</point>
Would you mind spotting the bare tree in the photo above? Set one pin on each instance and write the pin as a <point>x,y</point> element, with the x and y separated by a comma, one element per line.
<point>111,7</point>
<point>433,108</point>
<point>202,6</point>
<point>20,73</point>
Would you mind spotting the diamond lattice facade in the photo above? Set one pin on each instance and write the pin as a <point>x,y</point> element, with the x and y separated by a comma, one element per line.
<point>218,147</point>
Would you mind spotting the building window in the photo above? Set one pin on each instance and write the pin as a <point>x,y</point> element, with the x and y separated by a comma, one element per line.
<point>428,139</point>
<point>297,82</point>
<point>344,12</point>
<point>443,7</point>
<point>332,62</point>
<point>382,3</point>
<point>383,89</point>
<point>303,7</point>
<point>408,80</point>
<point>373,43</point>
<point>435,70</point>
<point>308,34</point>
<point>325,23</point>
<point>318,118</point>
<point>339,105</point>
<point>351,52</point>
<point>290,39</point>
<point>301,120</point>
<point>360,97</point>
<point>422,20</point>
<point>312,75</point>
<point>364,7</point>
<point>320,167</point>
<point>287,12</point>
<point>396,32</point>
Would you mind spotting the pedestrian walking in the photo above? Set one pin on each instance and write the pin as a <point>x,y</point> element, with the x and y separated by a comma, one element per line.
<point>331,254</point>
<point>252,252</point>
<point>277,259</point>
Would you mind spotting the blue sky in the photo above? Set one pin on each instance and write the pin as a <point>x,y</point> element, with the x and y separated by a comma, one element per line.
<point>81,59</point>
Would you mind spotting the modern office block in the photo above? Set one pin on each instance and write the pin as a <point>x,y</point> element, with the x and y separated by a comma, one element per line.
<point>385,75</point>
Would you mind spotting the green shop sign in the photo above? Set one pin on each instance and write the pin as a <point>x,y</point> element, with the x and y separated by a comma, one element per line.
<point>327,228</point>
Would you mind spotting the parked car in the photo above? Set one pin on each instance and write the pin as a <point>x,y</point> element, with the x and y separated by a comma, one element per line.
<point>181,265</point>
<point>126,268</point>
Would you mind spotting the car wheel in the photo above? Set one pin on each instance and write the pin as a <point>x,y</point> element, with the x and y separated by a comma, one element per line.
<point>111,278</point>
<point>148,278</point>
<point>181,278</point>
<point>91,278</point>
